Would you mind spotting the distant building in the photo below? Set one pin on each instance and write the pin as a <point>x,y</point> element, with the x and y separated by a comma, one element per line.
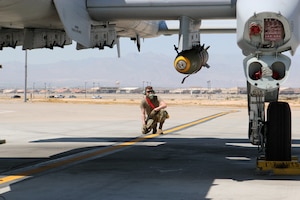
<point>129,90</point>
<point>234,90</point>
<point>108,89</point>
<point>9,91</point>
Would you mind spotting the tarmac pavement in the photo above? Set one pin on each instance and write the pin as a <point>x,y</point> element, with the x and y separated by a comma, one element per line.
<point>94,151</point>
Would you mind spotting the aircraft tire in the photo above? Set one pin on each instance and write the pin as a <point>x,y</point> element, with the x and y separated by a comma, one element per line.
<point>278,136</point>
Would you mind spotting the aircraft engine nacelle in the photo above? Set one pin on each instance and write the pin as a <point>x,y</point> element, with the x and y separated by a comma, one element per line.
<point>191,61</point>
<point>267,72</point>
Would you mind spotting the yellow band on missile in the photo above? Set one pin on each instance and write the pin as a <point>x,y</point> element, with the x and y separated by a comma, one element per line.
<point>184,59</point>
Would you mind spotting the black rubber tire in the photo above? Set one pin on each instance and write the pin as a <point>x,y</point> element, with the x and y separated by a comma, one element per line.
<point>278,136</point>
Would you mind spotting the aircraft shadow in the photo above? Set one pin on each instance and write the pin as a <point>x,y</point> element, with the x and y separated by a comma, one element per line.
<point>187,166</point>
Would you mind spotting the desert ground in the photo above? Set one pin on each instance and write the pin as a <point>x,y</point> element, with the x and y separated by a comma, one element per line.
<point>234,100</point>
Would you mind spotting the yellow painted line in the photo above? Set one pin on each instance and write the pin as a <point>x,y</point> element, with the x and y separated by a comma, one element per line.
<point>10,178</point>
<point>73,159</point>
<point>199,121</point>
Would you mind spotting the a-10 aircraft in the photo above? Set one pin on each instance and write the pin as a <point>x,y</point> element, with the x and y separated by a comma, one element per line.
<point>265,30</point>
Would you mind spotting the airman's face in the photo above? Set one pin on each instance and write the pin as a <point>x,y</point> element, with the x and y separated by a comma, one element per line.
<point>148,92</point>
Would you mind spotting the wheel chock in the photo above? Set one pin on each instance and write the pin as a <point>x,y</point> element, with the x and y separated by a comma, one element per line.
<point>278,167</point>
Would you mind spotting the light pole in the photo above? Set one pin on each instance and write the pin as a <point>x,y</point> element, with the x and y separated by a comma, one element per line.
<point>93,88</point>
<point>25,89</point>
<point>85,88</point>
<point>1,140</point>
<point>209,89</point>
<point>33,90</point>
<point>45,90</point>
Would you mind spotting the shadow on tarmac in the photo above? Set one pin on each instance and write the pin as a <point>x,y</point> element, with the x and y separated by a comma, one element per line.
<point>224,155</point>
<point>174,167</point>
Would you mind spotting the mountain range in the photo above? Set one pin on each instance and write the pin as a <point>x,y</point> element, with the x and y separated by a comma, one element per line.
<point>132,70</point>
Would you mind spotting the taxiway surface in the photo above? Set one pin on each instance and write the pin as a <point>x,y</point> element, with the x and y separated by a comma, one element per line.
<point>93,151</point>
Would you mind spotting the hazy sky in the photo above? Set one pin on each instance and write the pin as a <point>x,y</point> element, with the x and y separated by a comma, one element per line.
<point>221,46</point>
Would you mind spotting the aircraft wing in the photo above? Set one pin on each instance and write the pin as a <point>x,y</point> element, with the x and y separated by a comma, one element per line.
<point>98,24</point>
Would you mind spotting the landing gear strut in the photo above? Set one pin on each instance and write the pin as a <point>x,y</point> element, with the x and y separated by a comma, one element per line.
<point>273,135</point>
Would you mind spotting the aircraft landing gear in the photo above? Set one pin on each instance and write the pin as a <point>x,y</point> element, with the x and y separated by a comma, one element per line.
<point>278,134</point>
<point>273,134</point>
<point>265,73</point>
<point>277,159</point>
